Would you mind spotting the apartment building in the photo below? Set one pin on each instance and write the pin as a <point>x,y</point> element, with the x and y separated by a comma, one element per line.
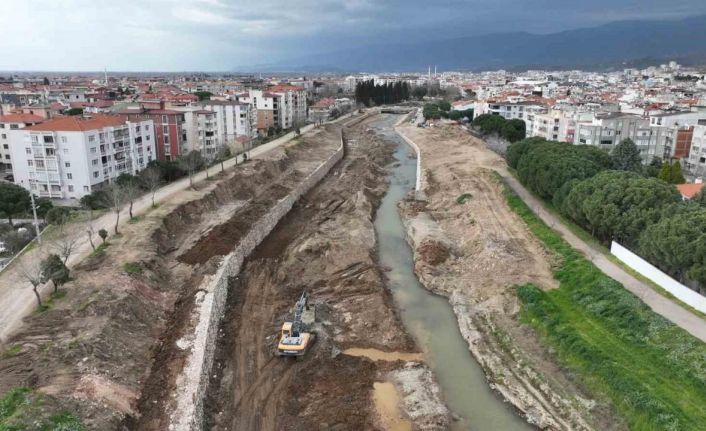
<point>293,105</point>
<point>234,120</point>
<point>170,139</point>
<point>695,163</point>
<point>201,129</point>
<point>607,130</point>
<point>69,157</point>
<point>12,122</point>
<point>509,110</point>
<point>267,107</point>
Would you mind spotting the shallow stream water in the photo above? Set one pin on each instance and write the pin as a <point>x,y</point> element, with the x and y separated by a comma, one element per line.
<point>429,317</point>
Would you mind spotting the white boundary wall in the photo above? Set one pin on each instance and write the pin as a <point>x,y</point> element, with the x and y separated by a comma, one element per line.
<point>666,282</point>
<point>418,184</point>
<point>192,383</point>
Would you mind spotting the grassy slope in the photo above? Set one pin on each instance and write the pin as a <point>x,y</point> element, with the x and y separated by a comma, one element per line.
<point>21,409</point>
<point>653,372</point>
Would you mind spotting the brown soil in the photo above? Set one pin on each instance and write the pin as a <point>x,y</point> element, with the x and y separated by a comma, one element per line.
<point>324,246</point>
<point>106,351</point>
<point>492,251</point>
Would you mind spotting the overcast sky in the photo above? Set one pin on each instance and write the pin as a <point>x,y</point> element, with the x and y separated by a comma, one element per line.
<point>220,35</point>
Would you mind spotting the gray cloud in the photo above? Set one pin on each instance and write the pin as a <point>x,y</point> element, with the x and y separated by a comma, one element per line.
<point>222,34</point>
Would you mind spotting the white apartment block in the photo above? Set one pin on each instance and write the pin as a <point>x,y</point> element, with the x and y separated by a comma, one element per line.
<point>201,129</point>
<point>234,119</point>
<point>608,129</point>
<point>510,110</point>
<point>12,122</point>
<point>69,157</point>
<point>293,105</point>
<point>696,162</point>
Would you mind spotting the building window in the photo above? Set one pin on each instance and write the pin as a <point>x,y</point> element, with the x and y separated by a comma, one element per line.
<point>91,138</point>
<point>95,174</point>
<point>13,126</point>
<point>164,119</point>
<point>35,139</point>
<point>4,136</point>
<point>55,188</point>
<point>71,188</point>
<point>28,150</point>
<point>147,127</point>
<point>85,188</point>
<point>165,129</point>
<point>93,150</point>
<point>5,146</point>
<point>95,162</point>
<point>69,176</point>
<point>48,139</point>
<point>30,163</point>
<point>67,164</point>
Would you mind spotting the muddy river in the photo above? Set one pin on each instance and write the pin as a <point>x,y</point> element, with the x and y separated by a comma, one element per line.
<point>429,317</point>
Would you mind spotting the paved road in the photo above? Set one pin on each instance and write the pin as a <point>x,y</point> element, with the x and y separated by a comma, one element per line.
<point>16,297</point>
<point>674,312</point>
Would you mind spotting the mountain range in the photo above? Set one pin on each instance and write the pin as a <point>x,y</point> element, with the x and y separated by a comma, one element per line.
<point>605,46</point>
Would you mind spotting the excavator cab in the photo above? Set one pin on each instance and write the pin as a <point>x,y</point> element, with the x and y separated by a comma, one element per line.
<point>294,339</point>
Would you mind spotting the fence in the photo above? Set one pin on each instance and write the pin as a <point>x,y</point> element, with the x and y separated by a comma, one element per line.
<point>666,282</point>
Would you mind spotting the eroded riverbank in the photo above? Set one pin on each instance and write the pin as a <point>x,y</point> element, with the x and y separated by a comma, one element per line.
<point>472,249</point>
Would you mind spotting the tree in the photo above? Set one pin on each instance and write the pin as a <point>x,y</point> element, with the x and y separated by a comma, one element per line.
<point>115,199</point>
<point>618,204</point>
<point>64,243</point>
<point>675,173</point>
<point>54,270</point>
<point>152,179</point>
<point>626,156</point>
<point>89,226</point>
<point>42,205</point>
<point>419,92</point>
<point>95,200</point>
<point>652,170</point>
<point>513,130</point>
<point>14,200</point>
<point>74,111</point>
<point>700,197</point>
<point>203,95</point>
<point>665,172</point>
<point>57,216</point>
<point>130,185</point>
<point>30,269</point>
<point>192,162</point>
<point>103,234</point>
<point>677,244</point>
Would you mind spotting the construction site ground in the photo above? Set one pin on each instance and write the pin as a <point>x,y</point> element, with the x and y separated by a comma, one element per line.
<point>326,246</point>
<point>470,247</point>
<point>107,350</point>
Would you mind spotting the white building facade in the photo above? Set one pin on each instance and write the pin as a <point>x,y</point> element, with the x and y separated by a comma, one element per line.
<point>69,157</point>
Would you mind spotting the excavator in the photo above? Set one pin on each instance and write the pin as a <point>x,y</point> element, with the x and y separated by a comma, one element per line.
<point>294,340</point>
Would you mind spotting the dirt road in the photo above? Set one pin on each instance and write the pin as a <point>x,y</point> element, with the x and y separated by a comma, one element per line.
<point>108,351</point>
<point>471,247</point>
<point>326,247</point>
<point>16,297</point>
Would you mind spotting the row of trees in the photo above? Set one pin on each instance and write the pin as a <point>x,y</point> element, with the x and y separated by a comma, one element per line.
<point>369,94</point>
<point>614,197</point>
<point>510,130</point>
<point>442,109</point>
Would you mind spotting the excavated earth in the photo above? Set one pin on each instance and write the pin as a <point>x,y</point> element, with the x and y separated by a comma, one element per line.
<point>107,350</point>
<point>470,247</point>
<point>326,247</point>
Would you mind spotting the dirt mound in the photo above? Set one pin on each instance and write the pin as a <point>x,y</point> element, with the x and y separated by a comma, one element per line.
<point>433,252</point>
<point>326,247</point>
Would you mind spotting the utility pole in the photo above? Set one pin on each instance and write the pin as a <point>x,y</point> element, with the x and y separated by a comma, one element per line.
<point>36,222</point>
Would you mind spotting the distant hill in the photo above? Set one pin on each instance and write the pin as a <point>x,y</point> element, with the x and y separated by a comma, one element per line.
<point>607,45</point>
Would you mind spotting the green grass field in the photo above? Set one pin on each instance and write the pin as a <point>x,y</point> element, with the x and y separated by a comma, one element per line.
<point>653,372</point>
<point>23,410</point>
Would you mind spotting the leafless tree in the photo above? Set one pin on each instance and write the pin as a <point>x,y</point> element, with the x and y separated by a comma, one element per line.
<point>88,225</point>
<point>115,200</point>
<point>152,179</point>
<point>191,162</point>
<point>65,243</point>
<point>30,268</point>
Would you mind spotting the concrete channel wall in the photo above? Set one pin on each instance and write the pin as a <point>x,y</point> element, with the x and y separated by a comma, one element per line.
<point>663,280</point>
<point>192,384</point>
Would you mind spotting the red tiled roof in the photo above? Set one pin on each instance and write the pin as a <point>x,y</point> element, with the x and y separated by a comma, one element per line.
<point>76,123</point>
<point>285,87</point>
<point>21,118</point>
<point>689,190</point>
